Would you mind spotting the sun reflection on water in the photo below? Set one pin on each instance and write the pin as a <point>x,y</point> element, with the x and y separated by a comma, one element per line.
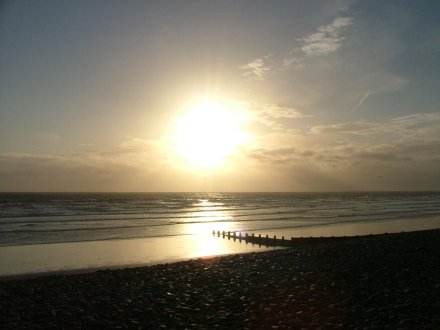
<point>208,217</point>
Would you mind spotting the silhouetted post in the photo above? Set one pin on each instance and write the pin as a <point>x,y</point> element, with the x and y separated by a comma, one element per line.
<point>218,233</point>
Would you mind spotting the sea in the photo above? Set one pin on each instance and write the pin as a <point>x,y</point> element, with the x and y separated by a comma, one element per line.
<point>36,218</point>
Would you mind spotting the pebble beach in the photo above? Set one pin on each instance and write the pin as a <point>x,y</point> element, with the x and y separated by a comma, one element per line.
<point>370,282</point>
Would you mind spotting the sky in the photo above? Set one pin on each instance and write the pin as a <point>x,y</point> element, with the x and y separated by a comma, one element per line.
<point>334,95</point>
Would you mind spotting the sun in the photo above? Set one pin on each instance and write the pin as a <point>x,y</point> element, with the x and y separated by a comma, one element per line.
<point>208,133</point>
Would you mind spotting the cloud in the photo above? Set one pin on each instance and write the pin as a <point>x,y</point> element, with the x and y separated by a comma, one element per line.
<point>421,126</point>
<point>328,39</point>
<point>341,83</point>
<point>258,68</point>
<point>272,115</point>
<point>405,151</point>
<point>351,127</point>
<point>292,61</point>
<point>362,100</point>
<point>418,121</point>
<point>414,137</point>
<point>128,166</point>
<point>275,111</point>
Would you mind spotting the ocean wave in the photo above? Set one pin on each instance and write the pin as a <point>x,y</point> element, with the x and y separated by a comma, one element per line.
<point>45,218</point>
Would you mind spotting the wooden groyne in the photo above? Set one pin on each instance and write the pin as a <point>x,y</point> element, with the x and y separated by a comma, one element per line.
<point>274,240</point>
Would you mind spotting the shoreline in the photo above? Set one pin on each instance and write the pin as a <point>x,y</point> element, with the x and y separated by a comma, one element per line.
<point>370,281</point>
<point>360,228</point>
<point>28,261</point>
<point>81,257</point>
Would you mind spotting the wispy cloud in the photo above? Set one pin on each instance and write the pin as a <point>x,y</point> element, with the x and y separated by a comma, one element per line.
<point>328,39</point>
<point>275,111</point>
<point>257,68</point>
<point>272,115</point>
<point>362,100</point>
<point>356,127</point>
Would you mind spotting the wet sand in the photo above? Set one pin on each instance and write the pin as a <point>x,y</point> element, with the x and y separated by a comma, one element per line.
<point>28,260</point>
<point>379,281</point>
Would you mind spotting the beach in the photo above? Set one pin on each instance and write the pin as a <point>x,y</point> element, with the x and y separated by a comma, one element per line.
<point>377,281</point>
<point>220,165</point>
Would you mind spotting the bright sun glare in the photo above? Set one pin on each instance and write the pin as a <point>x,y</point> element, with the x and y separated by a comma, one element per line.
<point>208,133</point>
